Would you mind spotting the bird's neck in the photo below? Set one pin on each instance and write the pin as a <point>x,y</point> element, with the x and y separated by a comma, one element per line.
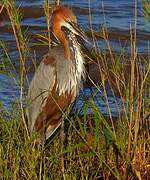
<point>67,52</point>
<point>71,48</point>
<point>74,68</point>
<point>75,53</point>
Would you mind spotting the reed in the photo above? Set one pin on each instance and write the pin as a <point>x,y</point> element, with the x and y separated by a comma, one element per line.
<point>97,147</point>
<point>47,14</point>
<point>21,42</point>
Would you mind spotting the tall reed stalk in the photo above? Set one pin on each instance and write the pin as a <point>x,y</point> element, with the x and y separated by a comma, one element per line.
<point>132,81</point>
<point>21,41</point>
<point>57,2</point>
<point>48,11</point>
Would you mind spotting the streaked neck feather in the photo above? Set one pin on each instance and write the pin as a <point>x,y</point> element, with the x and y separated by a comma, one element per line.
<point>73,71</point>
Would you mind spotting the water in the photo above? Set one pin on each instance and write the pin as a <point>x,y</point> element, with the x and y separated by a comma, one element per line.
<point>85,104</point>
<point>117,15</point>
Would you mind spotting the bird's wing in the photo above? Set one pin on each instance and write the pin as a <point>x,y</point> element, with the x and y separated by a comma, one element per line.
<point>40,86</point>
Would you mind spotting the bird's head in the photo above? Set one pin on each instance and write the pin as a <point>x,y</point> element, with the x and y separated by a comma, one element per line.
<point>63,19</point>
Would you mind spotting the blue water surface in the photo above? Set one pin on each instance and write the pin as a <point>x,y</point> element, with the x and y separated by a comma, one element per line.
<point>117,15</point>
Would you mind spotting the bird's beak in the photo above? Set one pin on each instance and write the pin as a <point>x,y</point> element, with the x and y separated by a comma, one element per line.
<point>73,27</point>
<point>79,32</point>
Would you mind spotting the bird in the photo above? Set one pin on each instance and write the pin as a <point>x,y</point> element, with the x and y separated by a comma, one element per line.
<point>58,78</point>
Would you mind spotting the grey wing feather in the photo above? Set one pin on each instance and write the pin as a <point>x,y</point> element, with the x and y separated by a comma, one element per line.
<point>38,91</point>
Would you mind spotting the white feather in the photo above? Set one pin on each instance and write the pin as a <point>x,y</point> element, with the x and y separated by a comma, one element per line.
<point>76,71</point>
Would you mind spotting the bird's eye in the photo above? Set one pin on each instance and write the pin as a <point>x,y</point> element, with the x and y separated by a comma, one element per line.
<point>72,23</point>
<point>65,30</point>
<point>68,19</point>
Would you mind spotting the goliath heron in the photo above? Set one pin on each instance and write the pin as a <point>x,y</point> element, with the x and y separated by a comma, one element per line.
<point>58,78</point>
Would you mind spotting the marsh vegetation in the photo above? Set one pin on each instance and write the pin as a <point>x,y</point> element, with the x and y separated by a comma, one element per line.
<point>97,146</point>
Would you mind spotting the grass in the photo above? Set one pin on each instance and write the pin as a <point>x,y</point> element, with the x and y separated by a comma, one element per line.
<point>96,147</point>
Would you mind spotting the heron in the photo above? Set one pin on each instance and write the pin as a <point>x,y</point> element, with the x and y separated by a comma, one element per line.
<point>58,79</point>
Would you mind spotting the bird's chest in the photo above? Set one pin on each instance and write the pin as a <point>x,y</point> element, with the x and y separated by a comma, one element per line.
<point>66,78</point>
